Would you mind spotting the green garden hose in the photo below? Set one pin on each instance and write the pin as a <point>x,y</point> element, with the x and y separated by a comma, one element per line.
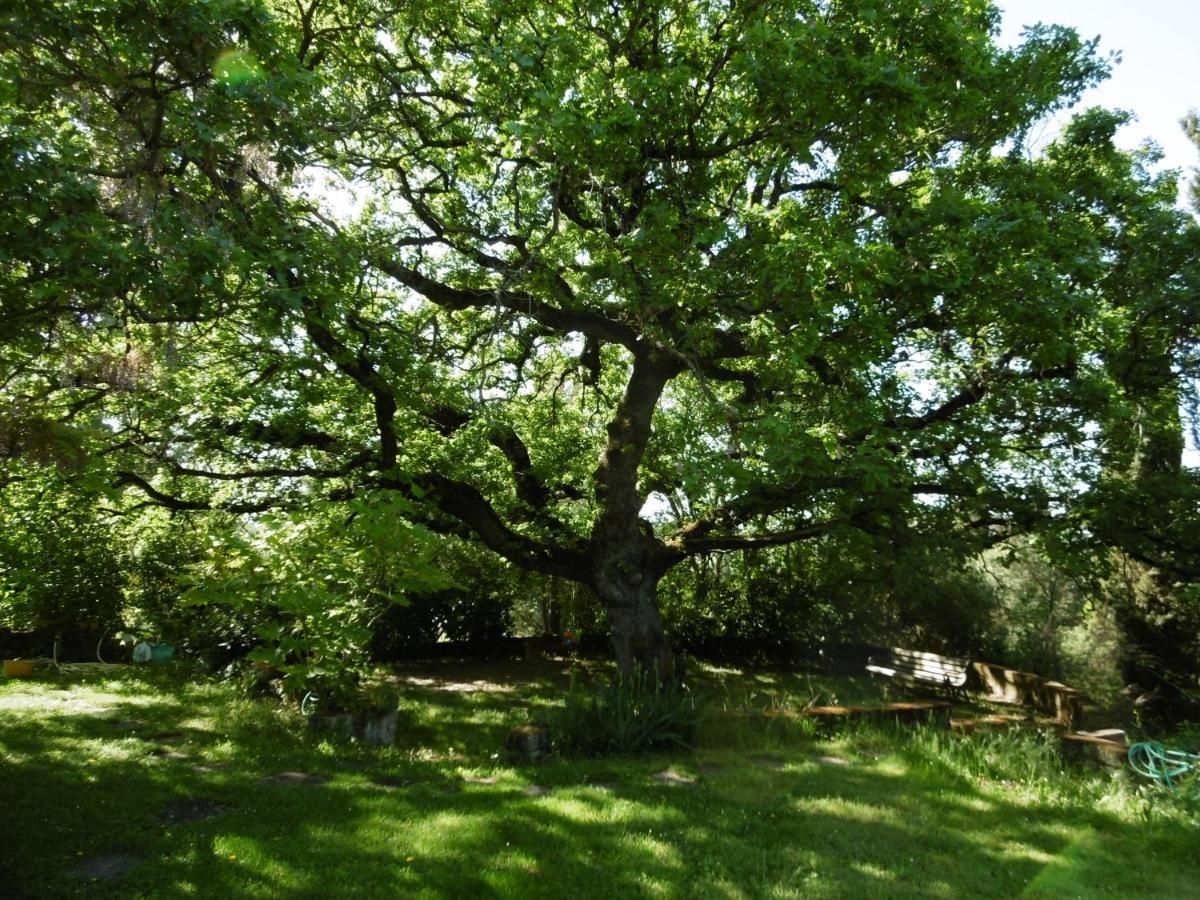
<point>1153,760</point>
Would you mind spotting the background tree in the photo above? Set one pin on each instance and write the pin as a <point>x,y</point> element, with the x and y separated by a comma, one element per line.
<point>59,559</point>
<point>531,264</point>
<point>1147,504</point>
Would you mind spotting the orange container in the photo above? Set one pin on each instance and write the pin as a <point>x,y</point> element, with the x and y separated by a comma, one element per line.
<point>18,668</point>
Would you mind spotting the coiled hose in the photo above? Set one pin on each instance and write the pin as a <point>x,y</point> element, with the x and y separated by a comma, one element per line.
<point>1152,760</point>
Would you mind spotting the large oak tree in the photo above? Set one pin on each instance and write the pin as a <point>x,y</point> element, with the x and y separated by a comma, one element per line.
<point>779,267</point>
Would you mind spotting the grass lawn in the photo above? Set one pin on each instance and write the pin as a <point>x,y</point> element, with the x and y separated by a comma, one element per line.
<point>170,777</point>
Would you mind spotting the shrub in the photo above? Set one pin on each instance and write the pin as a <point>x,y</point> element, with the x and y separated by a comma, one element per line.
<point>59,563</point>
<point>633,714</point>
<point>313,582</point>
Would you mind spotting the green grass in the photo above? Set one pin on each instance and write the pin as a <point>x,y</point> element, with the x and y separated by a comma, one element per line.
<point>909,814</point>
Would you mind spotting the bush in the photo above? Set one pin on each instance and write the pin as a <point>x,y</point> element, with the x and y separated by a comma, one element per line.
<point>59,562</point>
<point>313,583</point>
<point>161,550</point>
<point>633,714</point>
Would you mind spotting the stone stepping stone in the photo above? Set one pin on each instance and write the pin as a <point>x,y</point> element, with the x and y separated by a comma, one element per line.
<point>209,768</point>
<point>290,778</point>
<point>768,762</point>
<point>824,760</point>
<point>391,782</point>
<point>536,790</point>
<point>105,867</point>
<point>481,779</point>
<point>166,753</point>
<point>181,812</point>
<point>670,776</point>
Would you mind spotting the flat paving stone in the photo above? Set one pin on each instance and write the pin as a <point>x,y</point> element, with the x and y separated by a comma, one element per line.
<point>181,812</point>
<point>828,760</point>
<point>294,778</point>
<point>481,779</point>
<point>209,768</point>
<point>105,867</point>
<point>536,790</point>
<point>670,776</point>
<point>165,753</point>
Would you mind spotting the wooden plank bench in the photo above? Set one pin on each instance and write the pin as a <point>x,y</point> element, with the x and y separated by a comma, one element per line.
<point>920,667</point>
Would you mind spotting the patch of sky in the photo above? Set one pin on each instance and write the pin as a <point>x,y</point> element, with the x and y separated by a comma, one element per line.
<point>1155,77</point>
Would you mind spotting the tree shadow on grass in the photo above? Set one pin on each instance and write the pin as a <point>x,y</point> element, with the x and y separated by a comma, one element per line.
<point>71,791</point>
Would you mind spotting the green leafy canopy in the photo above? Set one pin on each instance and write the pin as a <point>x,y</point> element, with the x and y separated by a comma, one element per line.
<point>790,267</point>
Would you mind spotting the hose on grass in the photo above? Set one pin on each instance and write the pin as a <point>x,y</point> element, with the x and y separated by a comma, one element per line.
<point>1152,760</point>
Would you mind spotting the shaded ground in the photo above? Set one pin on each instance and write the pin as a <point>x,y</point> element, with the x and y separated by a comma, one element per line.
<point>247,803</point>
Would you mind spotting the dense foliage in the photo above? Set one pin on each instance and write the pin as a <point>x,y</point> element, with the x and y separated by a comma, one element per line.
<point>600,287</point>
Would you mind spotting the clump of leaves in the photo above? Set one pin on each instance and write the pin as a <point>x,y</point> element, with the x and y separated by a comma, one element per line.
<point>634,714</point>
<point>316,582</point>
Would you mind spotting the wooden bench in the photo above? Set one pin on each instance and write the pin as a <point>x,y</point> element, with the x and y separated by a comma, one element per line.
<point>922,668</point>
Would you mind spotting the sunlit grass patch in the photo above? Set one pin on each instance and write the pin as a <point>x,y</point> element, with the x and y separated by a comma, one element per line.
<point>757,812</point>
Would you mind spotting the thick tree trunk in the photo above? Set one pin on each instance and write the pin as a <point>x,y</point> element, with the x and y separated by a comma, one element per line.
<point>627,559</point>
<point>626,580</point>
